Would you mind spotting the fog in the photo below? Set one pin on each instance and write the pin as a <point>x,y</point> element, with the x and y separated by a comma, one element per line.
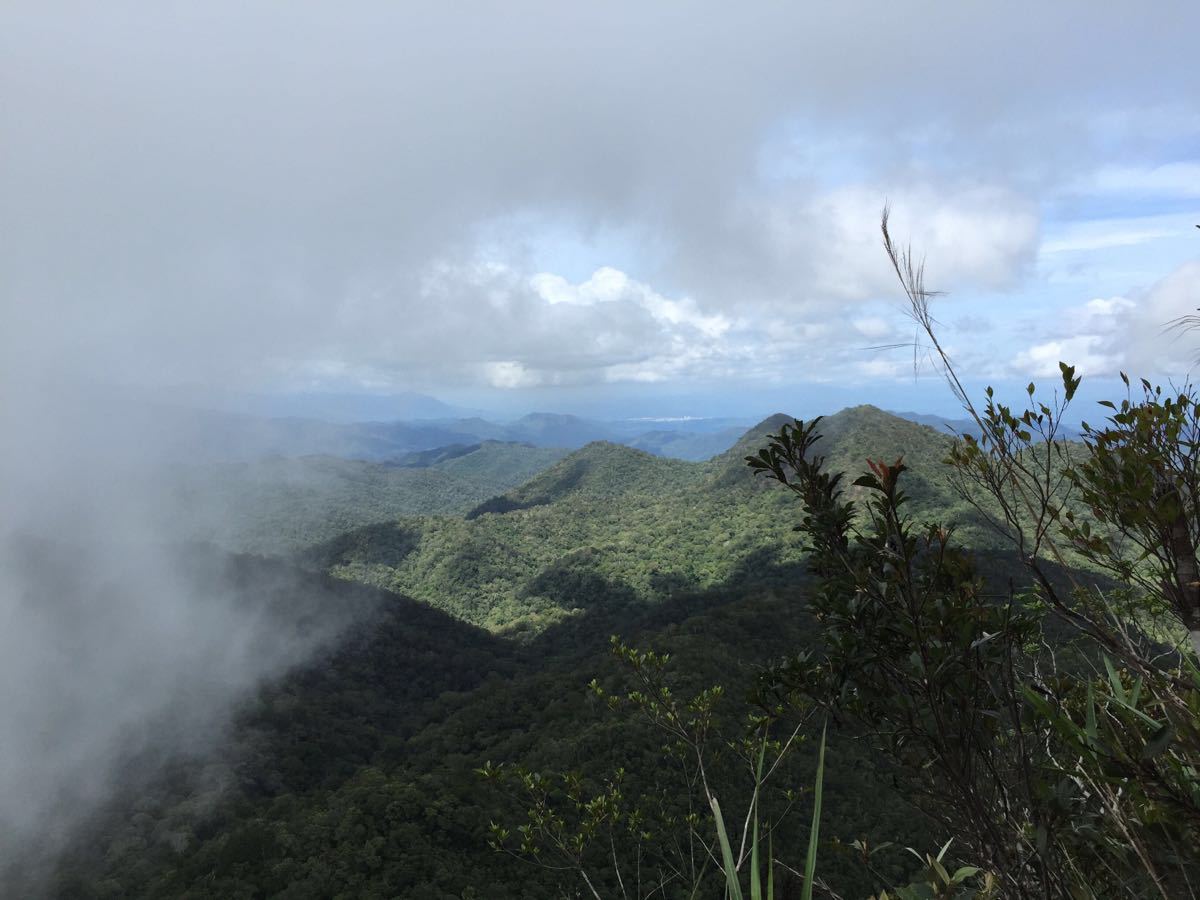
<point>118,640</point>
<point>205,198</point>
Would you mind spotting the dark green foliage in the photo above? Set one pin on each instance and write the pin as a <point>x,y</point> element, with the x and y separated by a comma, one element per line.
<point>914,650</point>
<point>1059,780</point>
<point>361,767</point>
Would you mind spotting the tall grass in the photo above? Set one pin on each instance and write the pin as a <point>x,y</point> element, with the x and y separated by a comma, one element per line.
<point>733,887</point>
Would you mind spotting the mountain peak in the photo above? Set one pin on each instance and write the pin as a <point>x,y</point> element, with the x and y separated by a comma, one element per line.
<point>599,469</point>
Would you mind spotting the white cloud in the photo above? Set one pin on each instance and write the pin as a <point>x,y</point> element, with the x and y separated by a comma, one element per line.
<point>971,235</point>
<point>510,374</point>
<point>1175,180</point>
<point>317,207</point>
<point>889,368</point>
<point>1108,233</point>
<point>873,327</point>
<point>1151,344</point>
<point>1133,334</point>
<point>1113,306</point>
<point>1085,352</point>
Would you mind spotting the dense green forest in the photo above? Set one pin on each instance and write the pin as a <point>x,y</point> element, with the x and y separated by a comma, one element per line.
<point>613,526</point>
<point>464,679</point>
<point>477,637</point>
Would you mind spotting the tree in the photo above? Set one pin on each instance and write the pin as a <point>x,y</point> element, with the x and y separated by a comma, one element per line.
<point>1054,733</point>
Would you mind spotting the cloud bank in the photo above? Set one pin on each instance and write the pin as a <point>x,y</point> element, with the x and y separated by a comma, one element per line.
<point>284,196</point>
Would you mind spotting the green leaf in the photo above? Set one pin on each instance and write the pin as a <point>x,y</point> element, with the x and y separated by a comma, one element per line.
<point>1157,744</point>
<point>755,880</point>
<point>810,862</point>
<point>1114,680</point>
<point>964,873</point>
<point>1092,730</point>
<point>731,876</point>
<point>945,847</point>
<point>770,865</point>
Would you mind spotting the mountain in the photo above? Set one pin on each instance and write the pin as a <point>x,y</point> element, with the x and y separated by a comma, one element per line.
<point>687,444</point>
<point>967,426</point>
<point>599,471</point>
<point>608,525</point>
<point>209,436</point>
<point>554,430</point>
<point>280,505</point>
<point>355,775</point>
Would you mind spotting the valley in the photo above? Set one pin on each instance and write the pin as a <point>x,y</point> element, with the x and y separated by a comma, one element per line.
<point>481,622</point>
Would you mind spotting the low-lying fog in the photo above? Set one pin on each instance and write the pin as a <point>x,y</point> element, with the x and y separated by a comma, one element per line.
<point>118,638</point>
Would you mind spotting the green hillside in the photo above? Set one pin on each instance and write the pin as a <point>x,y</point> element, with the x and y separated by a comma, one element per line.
<point>280,505</point>
<point>609,525</point>
<point>356,775</point>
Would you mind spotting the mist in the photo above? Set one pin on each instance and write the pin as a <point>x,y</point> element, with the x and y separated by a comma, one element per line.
<point>633,209</point>
<point>119,638</point>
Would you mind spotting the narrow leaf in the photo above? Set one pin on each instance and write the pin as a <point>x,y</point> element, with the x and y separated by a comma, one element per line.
<point>731,875</point>
<point>810,862</point>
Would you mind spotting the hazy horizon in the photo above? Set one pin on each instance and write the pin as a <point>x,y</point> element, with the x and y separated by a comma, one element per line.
<point>622,211</point>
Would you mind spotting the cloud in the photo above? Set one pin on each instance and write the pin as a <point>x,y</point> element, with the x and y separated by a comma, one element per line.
<point>509,373</point>
<point>1133,334</point>
<point>873,327</point>
<point>1151,344</point>
<point>1174,180</point>
<point>218,195</point>
<point>1085,352</point>
<point>1108,233</point>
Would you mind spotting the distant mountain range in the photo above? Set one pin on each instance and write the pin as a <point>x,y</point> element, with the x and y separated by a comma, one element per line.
<point>346,407</point>
<point>968,426</point>
<point>209,436</point>
<point>212,436</point>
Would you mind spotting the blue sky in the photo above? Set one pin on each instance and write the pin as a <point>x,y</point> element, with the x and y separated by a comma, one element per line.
<point>605,208</point>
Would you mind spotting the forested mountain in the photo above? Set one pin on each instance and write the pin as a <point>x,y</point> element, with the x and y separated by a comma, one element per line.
<point>355,775</point>
<point>281,504</point>
<point>611,525</point>
<point>945,425</point>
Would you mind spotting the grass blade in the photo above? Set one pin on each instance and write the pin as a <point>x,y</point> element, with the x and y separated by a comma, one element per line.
<point>770,863</point>
<point>755,880</point>
<point>731,875</point>
<point>810,862</point>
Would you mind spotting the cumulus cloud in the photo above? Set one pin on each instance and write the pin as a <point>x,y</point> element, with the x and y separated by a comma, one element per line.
<point>1133,334</point>
<point>1085,352</point>
<point>1152,345</point>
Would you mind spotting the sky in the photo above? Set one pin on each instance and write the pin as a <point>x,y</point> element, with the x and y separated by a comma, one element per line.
<point>617,208</point>
<point>627,210</point>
